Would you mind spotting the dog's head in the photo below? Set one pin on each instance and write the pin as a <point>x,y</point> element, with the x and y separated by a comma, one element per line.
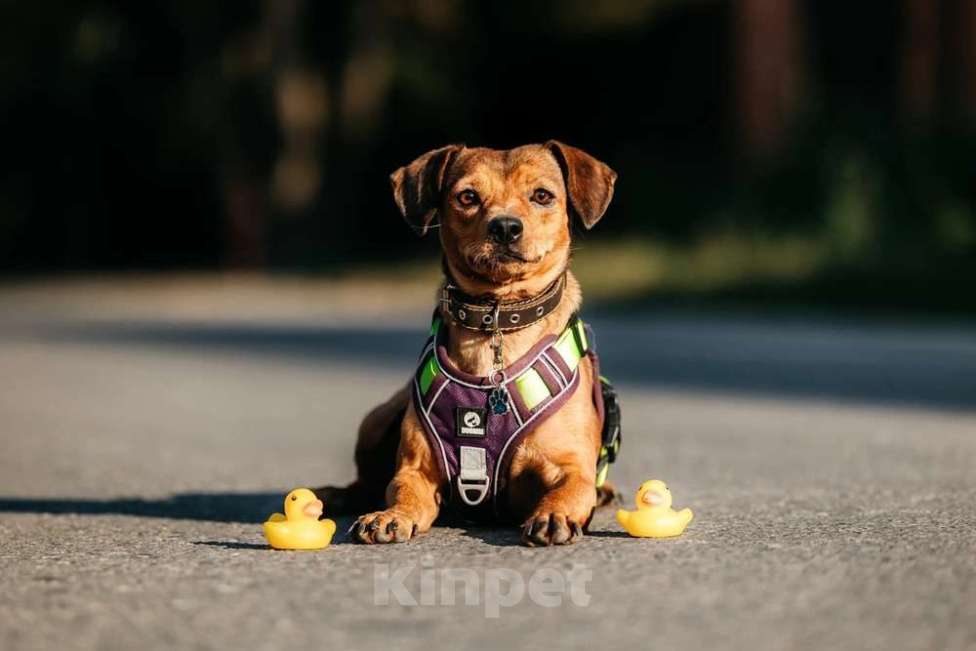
<point>504,214</point>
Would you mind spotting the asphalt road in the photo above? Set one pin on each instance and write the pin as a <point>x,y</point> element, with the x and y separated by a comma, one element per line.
<point>831,466</point>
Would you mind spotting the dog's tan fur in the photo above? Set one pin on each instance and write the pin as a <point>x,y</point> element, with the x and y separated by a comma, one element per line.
<point>550,486</point>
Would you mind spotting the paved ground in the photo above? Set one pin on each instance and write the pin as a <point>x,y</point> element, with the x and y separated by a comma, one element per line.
<point>831,467</point>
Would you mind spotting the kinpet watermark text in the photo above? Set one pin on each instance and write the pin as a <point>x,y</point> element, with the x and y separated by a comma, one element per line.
<point>495,588</point>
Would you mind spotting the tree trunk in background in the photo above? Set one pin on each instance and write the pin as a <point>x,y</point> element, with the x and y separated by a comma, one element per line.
<point>767,47</point>
<point>260,63</point>
<point>245,206</point>
<point>918,85</point>
<point>368,72</point>
<point>966,48</point>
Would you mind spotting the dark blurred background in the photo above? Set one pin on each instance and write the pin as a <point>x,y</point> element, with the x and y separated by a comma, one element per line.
<point>769,150</point>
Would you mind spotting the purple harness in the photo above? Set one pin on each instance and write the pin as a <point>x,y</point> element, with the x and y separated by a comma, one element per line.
<point>473,438</point>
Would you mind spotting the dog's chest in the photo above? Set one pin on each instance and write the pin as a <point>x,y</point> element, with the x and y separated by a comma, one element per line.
<point>475,422</point>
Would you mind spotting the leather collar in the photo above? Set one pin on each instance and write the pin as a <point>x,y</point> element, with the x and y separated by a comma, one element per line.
<point>490,315</point>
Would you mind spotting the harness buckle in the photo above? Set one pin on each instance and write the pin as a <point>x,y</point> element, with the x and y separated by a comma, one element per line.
<point>473,474</point>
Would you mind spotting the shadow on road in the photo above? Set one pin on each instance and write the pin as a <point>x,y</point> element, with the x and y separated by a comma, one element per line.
<point>227,544</point>
<point>215,507</point>
<point>843,363</point>
<point>248,508</point>
<point>497,536</point>
<point>609,534</point>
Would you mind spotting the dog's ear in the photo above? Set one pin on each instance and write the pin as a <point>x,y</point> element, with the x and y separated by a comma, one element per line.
<point>417,187</point>
<point>589,182</point>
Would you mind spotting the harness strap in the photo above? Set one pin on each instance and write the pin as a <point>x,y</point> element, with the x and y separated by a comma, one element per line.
<point>536,383</point>
<point>610,436</point>
<point>471,443</point>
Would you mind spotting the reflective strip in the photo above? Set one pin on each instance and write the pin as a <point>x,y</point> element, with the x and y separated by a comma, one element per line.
<point>434,327</point>
<point>428,372</point>
<point>566,346</point>
<point>602,475</point>
<point>548,376</point>
<point>532,388</point>
<point>581,333</point>
<point>560,365</point>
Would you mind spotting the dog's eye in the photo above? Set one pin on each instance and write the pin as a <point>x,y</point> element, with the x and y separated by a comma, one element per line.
<point>542,196</point>
<point>468,198</point>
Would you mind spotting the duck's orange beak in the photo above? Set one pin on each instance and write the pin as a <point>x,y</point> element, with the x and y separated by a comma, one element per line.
<point>653,498</point>
<point>313,509</point>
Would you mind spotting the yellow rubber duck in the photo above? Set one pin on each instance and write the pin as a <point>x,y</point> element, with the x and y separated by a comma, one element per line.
<point>299,527</point>
<point>654,517</point>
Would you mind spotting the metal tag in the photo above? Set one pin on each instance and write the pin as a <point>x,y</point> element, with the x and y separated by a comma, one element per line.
<point>498,400</point>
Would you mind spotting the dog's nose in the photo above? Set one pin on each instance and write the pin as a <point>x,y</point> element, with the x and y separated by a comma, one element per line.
<point>505,230</point>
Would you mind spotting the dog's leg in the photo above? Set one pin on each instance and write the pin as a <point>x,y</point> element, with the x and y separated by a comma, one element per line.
<point>413,496</point>
<point>376,452</point>
<point>607,495</point>
<point>553,491</point>
<point>564,510</point>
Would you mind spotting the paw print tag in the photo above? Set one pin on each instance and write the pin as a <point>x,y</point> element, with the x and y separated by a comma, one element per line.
<point>498,400</point>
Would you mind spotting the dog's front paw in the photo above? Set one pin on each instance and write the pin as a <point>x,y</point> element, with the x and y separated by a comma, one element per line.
<point>383,527</point>
<point>544,529</point>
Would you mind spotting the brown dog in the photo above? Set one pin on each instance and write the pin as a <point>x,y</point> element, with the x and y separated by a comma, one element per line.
<point>505,234</point>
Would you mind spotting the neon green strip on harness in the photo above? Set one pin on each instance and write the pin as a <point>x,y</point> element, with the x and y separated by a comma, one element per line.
<point>571,345</point>
<point>531,387</point>
<point>428,372</point>
<point>604,468</point>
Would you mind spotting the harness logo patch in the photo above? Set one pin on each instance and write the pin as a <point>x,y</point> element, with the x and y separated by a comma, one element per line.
<point>470,421</point>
